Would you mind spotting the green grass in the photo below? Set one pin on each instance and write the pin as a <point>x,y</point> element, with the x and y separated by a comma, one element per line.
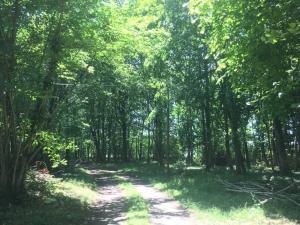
<point>62,200</point>
<point>200,192</point>
<point>78,185</point>
<point>137,211</point>
<point>65,200</point>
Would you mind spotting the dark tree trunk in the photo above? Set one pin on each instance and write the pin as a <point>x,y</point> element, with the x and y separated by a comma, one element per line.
<point>168,129</point>
<point>246,150</point>
<point>141,150</point>
<point>123,111</point>
<point>204,140</point>
<point>261,140</point>
<point>232,110</point>
<point>263,149</point>
<point>149,145</point>
<point>189,137</point>
<point>148,131</point>
<point>297,141</point>
<point>209,148</point>
<point>124,142</point>
<point>270,146</point>
<point>279,144</point>
<point>103,137</point>
<point>235,119</point>
<point>158,138</point>
<point>227,145</point>
<point>98,151</point>
<point>240,167</point>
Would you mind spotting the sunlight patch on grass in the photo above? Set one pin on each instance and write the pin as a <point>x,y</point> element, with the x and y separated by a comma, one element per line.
<point>81,186</point>
<point>236,216</point>
<point>52,200</point>
<point>76,189</point>
<point>137,208</point>
<point>199,198</point>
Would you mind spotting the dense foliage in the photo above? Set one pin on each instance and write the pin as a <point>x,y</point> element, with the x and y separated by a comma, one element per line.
<point>209,82</point>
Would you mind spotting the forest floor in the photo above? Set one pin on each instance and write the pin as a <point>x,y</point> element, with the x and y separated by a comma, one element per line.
<point>135,194</point>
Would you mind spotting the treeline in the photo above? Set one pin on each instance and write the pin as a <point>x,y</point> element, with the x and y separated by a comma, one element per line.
<point>215,83</point>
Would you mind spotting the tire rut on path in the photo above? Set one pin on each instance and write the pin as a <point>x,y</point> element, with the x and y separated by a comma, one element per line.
<point>108,208</point>
<point>163,209</point>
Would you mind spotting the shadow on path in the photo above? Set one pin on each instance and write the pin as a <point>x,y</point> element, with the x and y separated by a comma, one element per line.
<point>110,203</point>
<point>163,209</point>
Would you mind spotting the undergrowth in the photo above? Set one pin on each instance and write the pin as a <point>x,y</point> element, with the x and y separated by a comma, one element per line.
<point>62,200</point>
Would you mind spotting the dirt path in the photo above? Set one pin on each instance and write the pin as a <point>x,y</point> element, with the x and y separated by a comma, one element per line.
<point>109,206</point>
<point>163,209</point>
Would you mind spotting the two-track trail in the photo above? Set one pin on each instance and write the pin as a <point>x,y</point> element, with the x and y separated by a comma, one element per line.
<point>109,207</point>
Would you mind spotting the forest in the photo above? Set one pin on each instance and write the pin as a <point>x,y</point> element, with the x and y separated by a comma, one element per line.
<point>190,96</point>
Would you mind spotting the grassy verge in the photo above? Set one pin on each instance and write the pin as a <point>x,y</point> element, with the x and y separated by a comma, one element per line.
<point>199,191</point>
<point>136,208</point>
<point>59,201</point>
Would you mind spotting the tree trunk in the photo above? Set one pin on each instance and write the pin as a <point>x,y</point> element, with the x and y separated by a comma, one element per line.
<point>227,145</point>
<point>149,145</point>
<point>235,119</point>
<point>263,150</point>
<point>270,146</point>
<point>204,140</point>
<point>246,151</point>
<point>297,141</point>
<point>158,138</point>
<point>209,148</point>
<point>279,144</point>
<point>168,128</point>
<point>124,142</point>
<point>98,151</point>
<point>103,137</point>
<point>148,131</point>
